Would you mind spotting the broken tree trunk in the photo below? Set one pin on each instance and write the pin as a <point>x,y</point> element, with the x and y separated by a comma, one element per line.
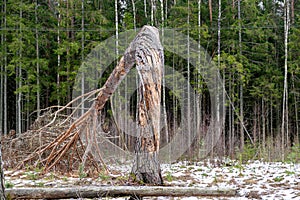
<point>149,61</point>
<point>146,51</point>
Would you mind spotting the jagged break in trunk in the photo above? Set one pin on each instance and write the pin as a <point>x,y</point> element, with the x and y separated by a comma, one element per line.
<point>149,61</point>
<point>146,51</point>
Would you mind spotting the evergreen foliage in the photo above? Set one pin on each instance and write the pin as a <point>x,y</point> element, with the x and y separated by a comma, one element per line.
<point>258,64</point>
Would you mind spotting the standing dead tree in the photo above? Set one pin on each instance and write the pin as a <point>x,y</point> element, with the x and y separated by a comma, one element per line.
<point>147,53</point>
<point>149,61</point>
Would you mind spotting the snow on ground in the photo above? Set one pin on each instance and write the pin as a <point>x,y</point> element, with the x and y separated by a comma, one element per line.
<point>254,180</point>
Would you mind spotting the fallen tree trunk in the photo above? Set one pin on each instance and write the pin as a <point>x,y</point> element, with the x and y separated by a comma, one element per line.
<point>115,191</point>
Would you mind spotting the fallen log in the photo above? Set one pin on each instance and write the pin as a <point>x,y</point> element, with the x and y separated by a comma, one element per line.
<point>116,191</point>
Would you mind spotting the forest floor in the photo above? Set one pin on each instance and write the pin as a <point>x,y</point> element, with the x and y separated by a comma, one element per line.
<point>253,180</point>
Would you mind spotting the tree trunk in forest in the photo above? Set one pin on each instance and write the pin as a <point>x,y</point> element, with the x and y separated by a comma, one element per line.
<point>58,55</point>
<point>82,56</point>
<point>162,13</point>
<point>5,74</point>
<point>188,116</point>
<point>152,12</point>
<point>2,192</point>
<point>218,114</point>
<point>117,28</point>
<point>255,123</point>
<point>134,14</point>
<point>19,81</point>
<point>263,124</point>
<point>292,11</point>
<point>242,134</point>
<point>146,51</point>
<point>145,9</point>
<point>199,85</point>
<point>210,10</point>
<point>38,96</point>
<point>2,75</point>
<point>149,64</point>
<point>164,107</point>
<point>296,140</point>
<point>284,124</point>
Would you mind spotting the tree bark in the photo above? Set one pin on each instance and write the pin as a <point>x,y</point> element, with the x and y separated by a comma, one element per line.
<point>292,11</point>
<point>218,113</point>
<point>5,107</point>
<point>2,192</point>
<point>2,75</point>
<point>149,64</point>
<point>58,55</point>
<point>82,56</point>
<point>38,96</point>
<point>19,82</point>
<point>146,51</point>
<point>242,134</point>
<point>152,12</point>
<point>115,191</point>
<point>210,10</point>
<point>134,14</point>
<point>188,82</point>
<point>145,9</point>
<point>284,124</point>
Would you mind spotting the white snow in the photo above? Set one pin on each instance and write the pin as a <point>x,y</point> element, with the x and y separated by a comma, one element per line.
<point>254,180</point>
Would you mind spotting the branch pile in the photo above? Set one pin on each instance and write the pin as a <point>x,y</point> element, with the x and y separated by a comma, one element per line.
<point>48,145</point>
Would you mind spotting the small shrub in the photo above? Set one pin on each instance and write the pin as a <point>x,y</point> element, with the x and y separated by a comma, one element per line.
<point>120,178</point>
<point>278,178</point>
<point>249,152</point>
<point>40,184</point>
<point>51,176</point>
<point>103,176</point>
<point>294,154</point>
<point>38,169</point>
<point>32,175</point>
<point>204,174</point>
<point>81,172</point>
<point>239,166</point>
<point>289,172</point>
<point>199,170</point>
<point>169,176</point>
<point>8,184</point>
